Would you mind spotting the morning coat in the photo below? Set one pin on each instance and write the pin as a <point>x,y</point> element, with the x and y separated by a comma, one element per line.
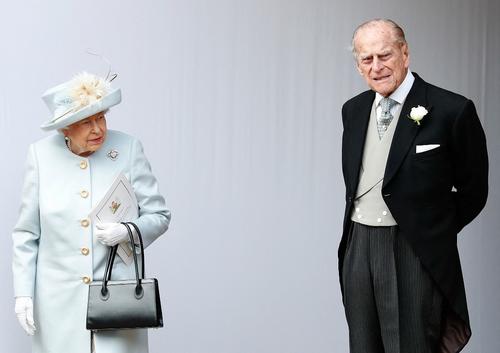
<point>431,195</point>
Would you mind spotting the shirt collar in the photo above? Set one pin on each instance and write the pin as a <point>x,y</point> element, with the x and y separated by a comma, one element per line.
<point>399,95</point>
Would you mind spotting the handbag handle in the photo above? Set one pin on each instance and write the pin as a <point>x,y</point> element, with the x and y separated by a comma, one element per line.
<point>139,292</point>
<point>142,246</point>
<point>111,257</point>
<point>109,263</point>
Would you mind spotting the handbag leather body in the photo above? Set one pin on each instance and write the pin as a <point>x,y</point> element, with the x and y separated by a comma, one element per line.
<point>124,304</point>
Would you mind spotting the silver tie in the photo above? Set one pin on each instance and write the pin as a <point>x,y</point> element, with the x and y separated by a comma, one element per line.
<point>385,117</point>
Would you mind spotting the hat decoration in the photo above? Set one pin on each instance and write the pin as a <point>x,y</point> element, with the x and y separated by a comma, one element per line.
<point>87,89</point>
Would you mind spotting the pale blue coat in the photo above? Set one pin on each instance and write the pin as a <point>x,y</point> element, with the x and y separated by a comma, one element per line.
<point>60,190</point>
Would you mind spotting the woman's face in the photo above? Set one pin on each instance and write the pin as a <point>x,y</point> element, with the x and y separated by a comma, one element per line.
<point>87,136</point>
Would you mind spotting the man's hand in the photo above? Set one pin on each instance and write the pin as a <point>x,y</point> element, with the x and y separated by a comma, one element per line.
<point>111,234</point>
<point>24,313</point>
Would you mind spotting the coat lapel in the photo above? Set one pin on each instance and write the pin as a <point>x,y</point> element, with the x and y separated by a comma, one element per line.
<point>357,137</point>
<point>406,130</point>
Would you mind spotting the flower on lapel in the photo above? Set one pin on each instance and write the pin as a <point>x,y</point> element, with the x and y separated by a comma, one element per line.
<point>417,114</point>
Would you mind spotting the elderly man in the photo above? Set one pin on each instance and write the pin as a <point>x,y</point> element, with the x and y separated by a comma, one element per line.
<point>416,172</point>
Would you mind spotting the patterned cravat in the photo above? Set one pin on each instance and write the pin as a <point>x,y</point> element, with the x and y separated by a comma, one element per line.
<point>385,117</point>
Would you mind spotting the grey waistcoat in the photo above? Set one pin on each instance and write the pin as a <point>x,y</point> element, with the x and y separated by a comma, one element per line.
<point>369,206</point>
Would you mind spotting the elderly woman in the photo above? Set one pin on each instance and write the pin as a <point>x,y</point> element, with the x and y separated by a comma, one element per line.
<point>57,251</point>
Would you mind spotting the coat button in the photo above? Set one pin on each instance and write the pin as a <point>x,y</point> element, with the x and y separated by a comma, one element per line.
<point>85,251</point>
<point>84,194</point>
<point>85,223</point>
<point>86,279</point>
<point>384,213</point>
<point>83,164</point>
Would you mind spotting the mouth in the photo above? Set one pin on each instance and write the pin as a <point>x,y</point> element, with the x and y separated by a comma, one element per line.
<point>381,78</point>
<point>96,141</point>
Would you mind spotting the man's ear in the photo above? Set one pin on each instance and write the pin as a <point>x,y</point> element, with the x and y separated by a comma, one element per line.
<point>406,54</point>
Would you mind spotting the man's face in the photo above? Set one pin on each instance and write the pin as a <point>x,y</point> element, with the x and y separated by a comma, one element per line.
<point>381,60</point>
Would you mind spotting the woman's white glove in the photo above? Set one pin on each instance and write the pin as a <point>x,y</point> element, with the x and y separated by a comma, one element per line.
<point>24,313</point>
<point>111,234</point>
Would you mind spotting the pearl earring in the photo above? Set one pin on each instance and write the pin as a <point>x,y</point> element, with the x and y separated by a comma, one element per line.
<point>68,142</point>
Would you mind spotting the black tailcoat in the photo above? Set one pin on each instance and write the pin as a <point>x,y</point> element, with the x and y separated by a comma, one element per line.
<point>417,188</point>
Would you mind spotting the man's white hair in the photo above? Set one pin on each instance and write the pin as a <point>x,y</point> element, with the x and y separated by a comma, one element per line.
<point>398,33</point>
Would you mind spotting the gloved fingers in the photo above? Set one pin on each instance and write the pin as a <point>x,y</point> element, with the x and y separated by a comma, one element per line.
<point>110,241</point>
<point>104,225</point>
<point>29,317</point>
<point>114,233</point>
<point>30,331</point>
<point>22,318</point>
<point>32,328</point>
<point>103,233</point>
<point>107,239</point>
<point>105,242</point>
<point>103,237</point>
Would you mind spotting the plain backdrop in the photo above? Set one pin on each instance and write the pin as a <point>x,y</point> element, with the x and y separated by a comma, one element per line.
<point>238,104</point>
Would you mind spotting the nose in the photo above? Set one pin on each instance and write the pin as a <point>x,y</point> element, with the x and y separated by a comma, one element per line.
<point>95,127</point>
<point>377,64</point>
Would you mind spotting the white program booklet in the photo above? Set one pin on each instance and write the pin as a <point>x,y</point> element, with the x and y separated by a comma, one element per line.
<point>118,205</point>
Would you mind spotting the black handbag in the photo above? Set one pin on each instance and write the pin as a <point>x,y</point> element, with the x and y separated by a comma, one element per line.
<point>124,304</point>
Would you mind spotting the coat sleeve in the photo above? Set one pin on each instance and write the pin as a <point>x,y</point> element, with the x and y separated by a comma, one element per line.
<point>470,164</point>
<point>154,217</point>
<point>26,232</point>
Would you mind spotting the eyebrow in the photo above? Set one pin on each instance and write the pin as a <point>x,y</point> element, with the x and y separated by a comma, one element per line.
<point>382,53</point>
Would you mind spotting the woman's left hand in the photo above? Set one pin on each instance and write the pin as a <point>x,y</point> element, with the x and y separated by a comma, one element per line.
<point>111,234</point>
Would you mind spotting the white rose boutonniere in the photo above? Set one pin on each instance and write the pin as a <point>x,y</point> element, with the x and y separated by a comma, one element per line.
<point>417,114</point>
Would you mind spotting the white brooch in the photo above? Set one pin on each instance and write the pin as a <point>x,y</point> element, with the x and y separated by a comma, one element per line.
<point>113,155</point>
<point>417,114</point>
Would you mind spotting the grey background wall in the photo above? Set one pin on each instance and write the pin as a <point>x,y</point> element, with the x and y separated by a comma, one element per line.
<point>238,105</point>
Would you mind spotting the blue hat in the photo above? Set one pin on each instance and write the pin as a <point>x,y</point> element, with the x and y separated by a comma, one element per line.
<point>83,96</point>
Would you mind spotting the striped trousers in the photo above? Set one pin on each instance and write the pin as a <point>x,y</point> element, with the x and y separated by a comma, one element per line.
<point>391,303</point>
